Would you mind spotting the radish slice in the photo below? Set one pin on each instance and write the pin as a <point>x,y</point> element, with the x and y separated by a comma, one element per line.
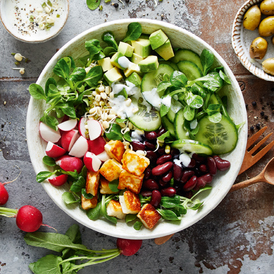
<point>92,162</point>
<point>103,156</point>
<point>69,138</point>
<point>79,148</point>
<point>68,125</point>
<point>58,180</point>
<point>54,151</point>
<point>48,134</point>
<point>69,163</point>
<point>97,145</point>
<point>82,126</point>
<point>94,129</point>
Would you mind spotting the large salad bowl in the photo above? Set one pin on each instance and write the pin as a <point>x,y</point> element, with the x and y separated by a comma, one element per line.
<point>221,183</point>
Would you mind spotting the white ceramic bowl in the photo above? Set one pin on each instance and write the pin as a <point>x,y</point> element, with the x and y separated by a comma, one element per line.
<point>222,182</point>
<point>16,15</point>
<point>242,39</point>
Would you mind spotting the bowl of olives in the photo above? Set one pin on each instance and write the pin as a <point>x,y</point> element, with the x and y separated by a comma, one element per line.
<point>253,37</point>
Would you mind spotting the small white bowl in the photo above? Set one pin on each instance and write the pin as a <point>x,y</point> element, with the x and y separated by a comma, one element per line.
<point>16,16</point>
<point>242,39</point>
<point>222,181</point>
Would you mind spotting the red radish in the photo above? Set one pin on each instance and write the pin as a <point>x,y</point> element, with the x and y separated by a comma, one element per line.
<point>128,247</point>
<point>54,151</point>
<point>97,145</point>
<point>69,163</point>
<point>79,148</point>
<point>68,139</point>
<point>4,195</point>
<point>68,125</point>
<point>103,156</point>
<point>82,126</point>
<point>29,218</point>
<point>92,162</point>
<point>58,180</point>
<point>48,134</point>
<point>94,129</point>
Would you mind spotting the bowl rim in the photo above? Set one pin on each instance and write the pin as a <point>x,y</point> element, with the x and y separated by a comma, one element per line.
<point>42,40</point>
<point>174,227</point>
<point>237,43</point>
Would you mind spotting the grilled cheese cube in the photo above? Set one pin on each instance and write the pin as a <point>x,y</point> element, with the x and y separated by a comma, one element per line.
<point>134,163</point>
<point>130,181</point>
<point>115,149</point>
<point>111,170</point>
<point>104,186</point>
<point>114,209</point>
<point>88,203</point>
<point>130,202</point>
<point>92,182</point>
<point>149,216</point>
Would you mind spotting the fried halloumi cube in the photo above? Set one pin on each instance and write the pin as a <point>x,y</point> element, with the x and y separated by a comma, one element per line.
<point>92,182</point>
<point>130,181</point>
<point>111,170</point>
<point>88,203</point>
<point>115,149</point>
<point>134,163</point>
<point>104,186</point>
<point>149,216</point>
<point>130,202</point>
<point>114,209</point>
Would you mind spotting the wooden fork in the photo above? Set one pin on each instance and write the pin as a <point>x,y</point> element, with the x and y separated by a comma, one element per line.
<point>249,160</point>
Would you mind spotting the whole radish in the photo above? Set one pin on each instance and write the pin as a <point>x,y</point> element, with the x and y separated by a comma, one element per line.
<point>128,247</point>
<point>4,195</point>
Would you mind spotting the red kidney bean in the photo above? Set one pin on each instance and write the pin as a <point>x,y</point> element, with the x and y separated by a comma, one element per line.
<point>161,151</point>
<point>169,191</point>
<point>151,135</point>
<point>150,184</point>
<point>206,178</point>
<point>190,184</point>
<point>177,172</point>
<point>137,145</point>
<point>167,177</point>
<point>174,152</point>
<point>149,145</point>
<point>152,156</point>
<point>147,173</point>
<point>192,163</point>
<point>161,131</point>
<point>221,163</point>
<point>198,158</point>
<point>164,158</point>
<point>146,193</point>
<point>162,183</point>
<point>203,168</point>
<point>155,198</point>
<point>186,175</point>
<point>211,164</point>
<point>162,169</point>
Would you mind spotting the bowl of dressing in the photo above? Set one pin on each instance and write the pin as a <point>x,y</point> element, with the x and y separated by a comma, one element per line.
<point>34,21</point>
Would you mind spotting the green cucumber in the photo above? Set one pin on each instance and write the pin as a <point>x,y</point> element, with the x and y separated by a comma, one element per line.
<point>168,126</point>
<point>147,121</point>
<point>154,78</point>
<point>192,146</point>
<point>173,65</point>
<point>187,55</point>
<point>180,131</point>
<point>222,137</point>
<point>190,69</point>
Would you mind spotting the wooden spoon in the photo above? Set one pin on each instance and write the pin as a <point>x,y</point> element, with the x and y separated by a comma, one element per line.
<point>267,176</point>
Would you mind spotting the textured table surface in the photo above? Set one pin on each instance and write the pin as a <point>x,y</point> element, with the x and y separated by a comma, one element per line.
<point>236,237</point>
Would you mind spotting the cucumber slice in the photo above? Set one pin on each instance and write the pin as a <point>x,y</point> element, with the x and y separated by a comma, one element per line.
<point>173,65</point>
<point>181,133</point>
<point>168,126</point>
<point>222,137</point>
<point>187,55</point>
<point>154,78</point>
<point>147,121</point>
<point>192,147</point>
<point>171,115</point>
<point>190,69</point>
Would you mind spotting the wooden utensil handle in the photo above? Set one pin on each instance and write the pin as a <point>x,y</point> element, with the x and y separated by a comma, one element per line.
<point>246,183</point>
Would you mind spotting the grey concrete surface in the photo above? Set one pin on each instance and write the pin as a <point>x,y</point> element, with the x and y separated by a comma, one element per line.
<point>226,241</point>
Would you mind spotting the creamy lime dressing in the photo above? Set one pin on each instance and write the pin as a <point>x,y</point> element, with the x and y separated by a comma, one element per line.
<point>184,159</point>
<point>124,62</point>
<point>155,100</point>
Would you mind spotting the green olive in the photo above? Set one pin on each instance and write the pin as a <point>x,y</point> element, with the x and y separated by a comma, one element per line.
<point>267,7</point>
<point>252,18</point>
<point>258,48</point>
<point>268,66</point>
<point>266,27</point>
